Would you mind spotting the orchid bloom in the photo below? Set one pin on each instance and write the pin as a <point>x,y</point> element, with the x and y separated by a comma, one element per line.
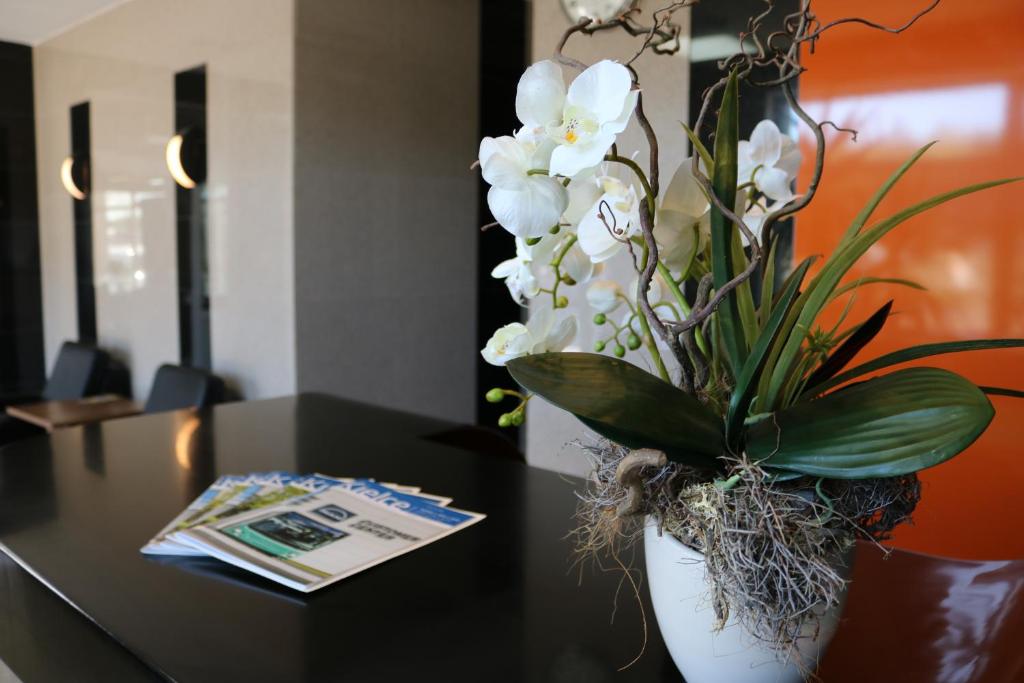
<point>604,296</point>
<point>683,222</point>
<point>539,335</point>
<point>613,219</point>
<point>770,160</point>
<point>584,121</point>
<point>522,273</point>
<point>526,204</point>
<point>754,218</point>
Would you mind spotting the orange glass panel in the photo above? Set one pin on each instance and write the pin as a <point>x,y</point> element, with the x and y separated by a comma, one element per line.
<point>957,76</point>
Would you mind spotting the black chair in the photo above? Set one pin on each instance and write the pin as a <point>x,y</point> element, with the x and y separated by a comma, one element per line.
<point>80,371</point>
<point>176,387</point>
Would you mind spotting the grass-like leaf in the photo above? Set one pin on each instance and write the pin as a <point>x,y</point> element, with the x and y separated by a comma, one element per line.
<point>746,382</point>
<point>846,351</point>
<point>916,353</point>
<point>821,287</point>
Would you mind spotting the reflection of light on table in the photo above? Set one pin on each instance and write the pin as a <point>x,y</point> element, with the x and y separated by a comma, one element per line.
<point>183,442</point>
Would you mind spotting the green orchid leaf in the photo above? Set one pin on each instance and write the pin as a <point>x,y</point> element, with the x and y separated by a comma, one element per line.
<point>862,218</point>
<point>860,282</point>
<point>818,292</point>
<point>723,267</point>
<point>768,284</point>
<point>884,427</point>
<point>699,148</point>
<point>916,353</point>
<point>625,404</point>
<point>1001,391</point>
<point>746,382</point>
<point>846,351</point>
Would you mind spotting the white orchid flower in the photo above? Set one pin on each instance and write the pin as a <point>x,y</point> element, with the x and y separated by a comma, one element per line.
<point>540,335</point>
<point>583,121</point>
<point>508,342</point>
<point>613,219</point>
<point>525,204</point>
<point>577,265</point>
<point>522,274</point>
<point>683,222</point>
<point>604,296</point>
<point>770,160</point>
<point>754,218</point>
<point>548,335</point>
<point>584,193</point>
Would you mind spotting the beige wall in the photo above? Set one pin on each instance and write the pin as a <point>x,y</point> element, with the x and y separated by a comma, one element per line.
<point>665,81</point>
<point>123,62</point>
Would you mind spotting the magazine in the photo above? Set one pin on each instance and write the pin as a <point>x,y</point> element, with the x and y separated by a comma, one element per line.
<point>307,532</point>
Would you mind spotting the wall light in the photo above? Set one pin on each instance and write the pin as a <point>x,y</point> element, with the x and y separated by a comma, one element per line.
<point>74,175</point>
<point>185,155</point>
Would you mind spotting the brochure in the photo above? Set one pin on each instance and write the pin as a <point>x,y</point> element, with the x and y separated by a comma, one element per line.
<point>307,532</point>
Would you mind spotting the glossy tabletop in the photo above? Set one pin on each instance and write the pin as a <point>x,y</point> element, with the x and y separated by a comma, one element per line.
<point>499,601</point>
<point>51,415</point>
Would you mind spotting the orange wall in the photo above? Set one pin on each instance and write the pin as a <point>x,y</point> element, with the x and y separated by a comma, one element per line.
<point>956,76</point>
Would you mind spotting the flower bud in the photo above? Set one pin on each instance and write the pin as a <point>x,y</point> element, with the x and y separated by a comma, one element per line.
<point>554,229</point>
<point>619,351</point>
<point>600,319</point>
<point>599,346</point>
<point>505,420</point>
<point>495,395</point>
<point>531,241</point>
<point>633,342</point>
<point>562,302</point>
<point>518,418</point>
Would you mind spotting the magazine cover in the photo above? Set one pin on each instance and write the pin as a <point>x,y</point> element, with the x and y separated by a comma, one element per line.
<point>314,541</point>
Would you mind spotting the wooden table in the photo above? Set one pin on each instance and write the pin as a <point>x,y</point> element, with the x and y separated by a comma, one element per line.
<point>51,415</point>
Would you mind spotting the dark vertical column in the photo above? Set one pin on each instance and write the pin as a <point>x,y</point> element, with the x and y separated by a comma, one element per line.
<point>193,270</point>
<point>85,290</point>
<point>502,61</point>
<point>21,311</point>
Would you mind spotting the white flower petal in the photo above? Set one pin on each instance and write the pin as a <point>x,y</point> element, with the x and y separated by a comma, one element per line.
<point>603,295</point>
<point>577,265</point>
<point>596,240</point>
<point>540,96</point>
<point>532,211</point>
<point>583,194</point>
<point>684,194</point>
<point>505,268</point>
<point>619,124</point>
<point>508,342</point>
<point>791,157</point>
<point>766,143</point>
<point>678,238</point>
<point>774,183</point>
<point>562,335</point>
<point>602,90</point>
<point>503,162</point>
<point>570,160</point>
<point>540,323</point>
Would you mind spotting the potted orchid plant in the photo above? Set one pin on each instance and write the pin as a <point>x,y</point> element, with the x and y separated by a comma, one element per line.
<point>732,431</point>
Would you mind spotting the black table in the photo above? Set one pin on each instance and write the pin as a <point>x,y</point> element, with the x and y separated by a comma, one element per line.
<point>499,601</point>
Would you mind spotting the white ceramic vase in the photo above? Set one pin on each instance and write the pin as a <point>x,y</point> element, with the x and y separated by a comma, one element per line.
<point>682,604</point>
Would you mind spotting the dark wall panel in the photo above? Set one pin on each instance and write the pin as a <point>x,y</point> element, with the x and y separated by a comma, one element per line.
<point>21,323</point>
